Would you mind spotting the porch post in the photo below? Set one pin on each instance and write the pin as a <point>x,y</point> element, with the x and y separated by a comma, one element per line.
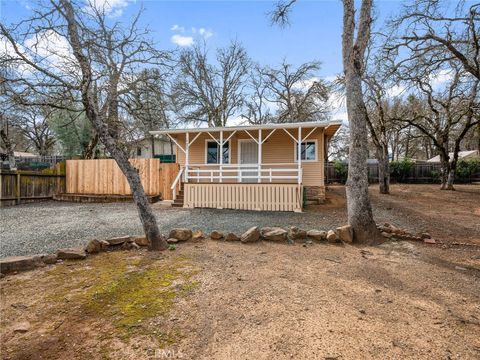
<point>259,155</point>
<point>221,156</point>
<point>299,154</point>
<point>187,155</point>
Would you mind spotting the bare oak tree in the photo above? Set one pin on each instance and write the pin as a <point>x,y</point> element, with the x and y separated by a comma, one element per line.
<point>98,68</point>
<point>211,93</point>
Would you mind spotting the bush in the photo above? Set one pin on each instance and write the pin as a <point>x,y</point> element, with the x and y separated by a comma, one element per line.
<point>341,171</point>
<point>466,169</point>
<point>400,170</point>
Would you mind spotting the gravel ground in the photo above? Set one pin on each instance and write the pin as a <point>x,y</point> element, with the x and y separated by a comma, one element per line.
<point>44,227</point>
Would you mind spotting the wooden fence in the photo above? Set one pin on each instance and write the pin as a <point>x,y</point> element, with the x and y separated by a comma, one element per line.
<point>27,186</point>
<point>104,177</point>
<point>426,173</point>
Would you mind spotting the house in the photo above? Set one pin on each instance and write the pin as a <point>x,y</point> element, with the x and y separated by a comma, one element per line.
<point>160,147</point>
<point>260,167</point>
<point>462,155</point>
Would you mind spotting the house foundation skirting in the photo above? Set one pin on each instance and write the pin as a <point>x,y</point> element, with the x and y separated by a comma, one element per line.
<point>269,197</point>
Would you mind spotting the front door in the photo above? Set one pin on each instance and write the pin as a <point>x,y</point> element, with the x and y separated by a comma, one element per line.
<point>248,155</point>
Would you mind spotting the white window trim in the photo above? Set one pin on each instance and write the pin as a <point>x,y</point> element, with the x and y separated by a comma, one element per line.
<point>213,141</point>
<point>295,150</point>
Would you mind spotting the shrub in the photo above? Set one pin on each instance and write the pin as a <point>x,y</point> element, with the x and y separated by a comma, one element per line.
<point>400,170</point>
<point>466,169</point>
<point>341,171</point>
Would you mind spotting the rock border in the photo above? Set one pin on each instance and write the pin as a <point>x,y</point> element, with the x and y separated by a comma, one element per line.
<point>341,235</point>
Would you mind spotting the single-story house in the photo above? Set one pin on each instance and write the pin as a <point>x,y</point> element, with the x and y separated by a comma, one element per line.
<point>146,148</point>
<point>462,155</point>
<point>258,167</point>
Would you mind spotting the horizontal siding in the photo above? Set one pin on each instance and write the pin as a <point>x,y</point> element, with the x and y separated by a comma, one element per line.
<point>279,148</point>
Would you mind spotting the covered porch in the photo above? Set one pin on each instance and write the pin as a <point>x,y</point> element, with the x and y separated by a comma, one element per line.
<point>253,167</point>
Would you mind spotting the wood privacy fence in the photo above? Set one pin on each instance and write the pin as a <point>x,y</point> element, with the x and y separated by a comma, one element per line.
<point>104,177</point>
<point>27,186</point>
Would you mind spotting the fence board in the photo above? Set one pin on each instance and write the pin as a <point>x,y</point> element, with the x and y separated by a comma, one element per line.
<point>104,177</point>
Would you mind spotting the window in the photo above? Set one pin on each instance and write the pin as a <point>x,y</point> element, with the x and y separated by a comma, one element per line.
<point>308,151</point>
<point>213,150</point>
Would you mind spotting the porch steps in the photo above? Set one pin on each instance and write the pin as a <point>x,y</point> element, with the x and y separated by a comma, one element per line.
<point>178,202</point>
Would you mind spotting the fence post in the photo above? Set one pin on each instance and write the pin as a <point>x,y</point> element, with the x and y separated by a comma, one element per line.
<point>17,195</point>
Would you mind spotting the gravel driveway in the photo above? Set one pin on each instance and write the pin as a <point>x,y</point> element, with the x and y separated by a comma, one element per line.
<point>44,227</point>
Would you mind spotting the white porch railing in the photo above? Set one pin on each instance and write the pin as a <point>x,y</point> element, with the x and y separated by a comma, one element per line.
<point>175,183</point>
<point>261,173</point>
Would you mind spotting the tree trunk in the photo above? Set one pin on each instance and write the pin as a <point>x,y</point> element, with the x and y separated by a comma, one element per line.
<point>444,172</point>
<point>360,215</point>
<point>146,215</point>
<point>89,152</point>
<point>383,170</point>
<point>9,148</point>
<point>153,146</point>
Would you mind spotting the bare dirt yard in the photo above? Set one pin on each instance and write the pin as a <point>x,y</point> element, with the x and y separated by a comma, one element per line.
<point>227,300</point>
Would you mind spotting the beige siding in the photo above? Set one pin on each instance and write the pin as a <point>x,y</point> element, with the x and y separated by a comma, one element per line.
<point>279,148</point>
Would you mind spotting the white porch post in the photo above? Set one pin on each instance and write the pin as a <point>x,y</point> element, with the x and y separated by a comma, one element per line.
<point>187,155</point>
<point>299,154</point>
<point>259,155</point>
<point>221,156</point>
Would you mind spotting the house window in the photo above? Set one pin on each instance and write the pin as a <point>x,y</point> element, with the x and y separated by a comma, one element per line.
<point>213,152</point>
<point>308,151</point>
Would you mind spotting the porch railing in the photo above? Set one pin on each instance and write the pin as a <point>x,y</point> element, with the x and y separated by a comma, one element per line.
<point>274,172</point>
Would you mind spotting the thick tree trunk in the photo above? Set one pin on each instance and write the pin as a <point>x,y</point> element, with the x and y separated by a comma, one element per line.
<point>89,152</point>
<point>445,170</point>
<point>360,215</point>
<point>9,148</point>
<point>146,215</point>
<point>383,170</point>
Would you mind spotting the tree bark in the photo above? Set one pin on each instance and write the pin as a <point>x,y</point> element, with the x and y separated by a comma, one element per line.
<point>9,148</point>
<point>89,152</point>
<point>360,215</point>
<point>146,215</point>
<point>383,170</point>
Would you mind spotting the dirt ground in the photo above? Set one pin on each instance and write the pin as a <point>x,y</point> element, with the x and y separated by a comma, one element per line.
<point>219,300</point>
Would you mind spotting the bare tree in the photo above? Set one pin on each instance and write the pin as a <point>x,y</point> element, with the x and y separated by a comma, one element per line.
<point>298,93</point>
<point>211,93</point>
<point>360,215</point>
<point>258,109</point>
<point>99,67</point>
<point>444,115</point>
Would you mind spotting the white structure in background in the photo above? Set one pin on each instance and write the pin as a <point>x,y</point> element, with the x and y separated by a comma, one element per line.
<point>462,155</point>
<point>146,148</point>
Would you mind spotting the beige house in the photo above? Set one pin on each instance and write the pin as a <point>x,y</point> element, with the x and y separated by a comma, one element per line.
<point>261,167</point>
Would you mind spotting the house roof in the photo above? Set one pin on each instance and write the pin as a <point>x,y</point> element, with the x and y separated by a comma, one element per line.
<point>330,126</point>
<point>461,155</point>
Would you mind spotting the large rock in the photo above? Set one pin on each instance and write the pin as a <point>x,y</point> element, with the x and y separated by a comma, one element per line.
<point>251,235</point>
<point>93,247</point>
<point>49,258</point>
<point>345,233</point>
<point>19,263</point>
<point>318,235</point>
<point>275,234</point>
<point>198,236</point>
<point>172,241</point>
<point>181,234</point>
<point>216,235</point>
<point>332,236</point>
<point>118,240</point>
<point>141,240</point>
<point>71,254</point>
<point>294,233</point>
<point>232,237</point>
<point>130,245</point>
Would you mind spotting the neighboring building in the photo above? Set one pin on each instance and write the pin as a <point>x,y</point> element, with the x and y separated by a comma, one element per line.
<point>262,167</point>
<point>462,155</point>
<point>161,146</point>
